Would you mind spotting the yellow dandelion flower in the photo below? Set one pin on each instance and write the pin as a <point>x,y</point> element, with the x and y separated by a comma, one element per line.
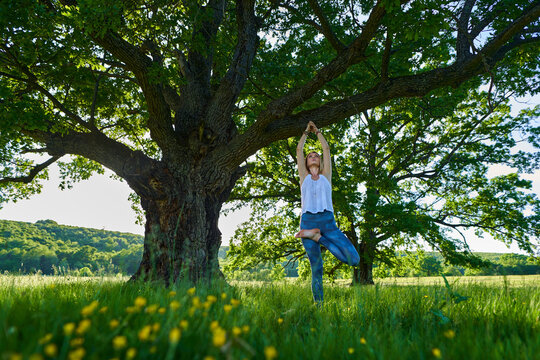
<point>436,352</point>
<point>150,309</point>
<point>235,302</point>
<point>214,325</point>
<point>207,304</point>
<point>211,298</point>
<point>280,321</point>
<point>184,324</point>
<point>131,309</point>
<point>15,356</point>
<point>450,333</point>
<point>425,296</point>
<point>162,310</point>
<point>35,357</point>
<point>140,301</point>
<point>191,291</point>
<point>196,301</point>
<point>76,342</point>
<point>363,341</point>
<point>351,350</point>
<point>68,328</point>
<point>84,325</point>
<point>227,307</point>
<point>114,323</point>
<point>51,350</point>
<point>131,352</point>
<point>89,309</point>
<point>220,336</point>
<point>174,335</point>
<point>119,342</point>
<point>191,311</point>
<point>312,329</point>
<point>270,352</point>
<point>153,349</point>
<point>86,311</point>
<point>174,305</point>
<point>208,357</point>
<point>236,330</point>
<point>245,328</point>
<point>172,293</point>
<point>144,333</point>
<point>223,295</point>
<point>156,326</point>
<point>103,309</point>
<point>77,354</point>
<point>45,339</point>
<point>52,286</point>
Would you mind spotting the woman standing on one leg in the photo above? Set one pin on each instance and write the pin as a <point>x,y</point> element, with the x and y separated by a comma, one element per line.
<point>317,224</point>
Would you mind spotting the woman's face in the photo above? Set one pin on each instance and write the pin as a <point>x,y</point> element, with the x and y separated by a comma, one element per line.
<point>313,158</point>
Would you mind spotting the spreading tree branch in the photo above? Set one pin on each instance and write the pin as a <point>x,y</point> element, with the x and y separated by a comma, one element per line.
<point>139,64</point>
<point>386,56</point>
<point>462,46</point>
<point>33,173</point>
<point>134,166</point>
<point>490,15</point>
<point>232,83</point>
<point>325,26</point>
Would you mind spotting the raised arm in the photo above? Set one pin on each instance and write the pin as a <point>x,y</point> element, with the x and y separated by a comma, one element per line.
<point>327,159</point>
<point>302,170</point>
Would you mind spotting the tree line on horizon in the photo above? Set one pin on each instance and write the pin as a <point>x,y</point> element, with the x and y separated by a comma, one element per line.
<point>53,249</point>
<point>57,249</point>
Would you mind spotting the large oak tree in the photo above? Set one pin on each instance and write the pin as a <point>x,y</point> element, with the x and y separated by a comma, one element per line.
<point>174,96</point>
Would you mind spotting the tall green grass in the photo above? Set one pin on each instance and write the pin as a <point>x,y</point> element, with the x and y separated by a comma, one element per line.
<point>266,320</point>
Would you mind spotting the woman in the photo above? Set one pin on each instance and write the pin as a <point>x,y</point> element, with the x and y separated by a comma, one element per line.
<point>317,224</point>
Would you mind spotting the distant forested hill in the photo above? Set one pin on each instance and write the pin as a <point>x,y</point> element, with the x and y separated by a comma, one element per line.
<point>53,248</point>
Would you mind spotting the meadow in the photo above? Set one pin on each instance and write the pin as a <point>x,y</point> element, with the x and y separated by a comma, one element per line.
<point>46,317</point>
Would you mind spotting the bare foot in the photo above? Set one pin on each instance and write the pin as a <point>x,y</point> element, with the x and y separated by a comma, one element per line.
<point>313,234</point>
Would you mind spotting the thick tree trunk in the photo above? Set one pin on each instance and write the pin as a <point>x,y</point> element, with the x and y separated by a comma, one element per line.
<point>182,238</point>
<point>363,273</point>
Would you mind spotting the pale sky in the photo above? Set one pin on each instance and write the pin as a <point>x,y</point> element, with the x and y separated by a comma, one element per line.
<point>102,203</point>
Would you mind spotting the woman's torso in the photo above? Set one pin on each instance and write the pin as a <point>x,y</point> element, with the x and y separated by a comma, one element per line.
<point>316,195</point>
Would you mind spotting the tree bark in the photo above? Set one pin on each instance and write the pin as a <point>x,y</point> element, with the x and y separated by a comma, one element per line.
<point>363,274</point>
<point>182,238</point>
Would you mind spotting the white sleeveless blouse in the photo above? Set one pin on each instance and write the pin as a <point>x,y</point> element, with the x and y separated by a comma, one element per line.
<point>316,195</point>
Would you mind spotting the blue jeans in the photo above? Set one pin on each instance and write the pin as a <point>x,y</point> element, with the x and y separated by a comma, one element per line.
<point>331,238</point>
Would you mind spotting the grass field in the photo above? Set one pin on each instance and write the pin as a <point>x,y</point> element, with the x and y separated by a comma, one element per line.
<point>103,318</point>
